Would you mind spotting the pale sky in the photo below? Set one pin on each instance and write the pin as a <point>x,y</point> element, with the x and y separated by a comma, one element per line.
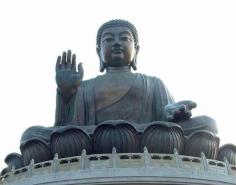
<point>190,45</point>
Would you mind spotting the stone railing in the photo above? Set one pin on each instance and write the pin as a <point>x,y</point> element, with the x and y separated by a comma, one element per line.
<point>93,163</point>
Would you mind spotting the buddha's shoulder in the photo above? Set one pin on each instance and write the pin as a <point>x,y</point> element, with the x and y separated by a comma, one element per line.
<point>149,77</point>
<point>91,81</point>
<point>88,82</point>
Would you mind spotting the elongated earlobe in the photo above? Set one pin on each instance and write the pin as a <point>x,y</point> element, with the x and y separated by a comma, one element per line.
<point>133,64</point>
<point>102,65</point>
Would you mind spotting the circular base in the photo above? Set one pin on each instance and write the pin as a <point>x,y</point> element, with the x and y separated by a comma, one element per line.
<point>137,168</point>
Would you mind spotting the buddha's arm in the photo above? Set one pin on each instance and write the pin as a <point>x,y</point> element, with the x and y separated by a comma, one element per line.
<point>165,107</point>
<point>179,111</point>
<point>79,110</point>
<point>162,97</point>
<point>68,80</point>
<point>64,110</point>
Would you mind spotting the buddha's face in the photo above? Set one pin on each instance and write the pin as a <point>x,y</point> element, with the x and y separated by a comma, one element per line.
<point>117,47</point>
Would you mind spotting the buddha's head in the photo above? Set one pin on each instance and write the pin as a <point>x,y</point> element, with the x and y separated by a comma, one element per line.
<point>117,44</point>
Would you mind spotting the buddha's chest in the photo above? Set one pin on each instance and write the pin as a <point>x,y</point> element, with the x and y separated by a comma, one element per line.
<point>110,89</point>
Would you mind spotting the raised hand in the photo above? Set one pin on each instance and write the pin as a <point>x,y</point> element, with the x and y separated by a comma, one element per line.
<point>67,78</point>
<point>179,111</point>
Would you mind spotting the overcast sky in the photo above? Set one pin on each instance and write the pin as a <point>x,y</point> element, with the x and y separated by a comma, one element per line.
<point>190,45</point>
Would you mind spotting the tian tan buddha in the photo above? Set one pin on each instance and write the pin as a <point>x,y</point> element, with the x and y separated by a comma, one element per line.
<point>119,108</point>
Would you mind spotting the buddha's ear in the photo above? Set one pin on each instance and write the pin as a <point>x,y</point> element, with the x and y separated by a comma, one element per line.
<point>98,51</point>
<point>133,63</point>
<point>102,65</point>
<point>137,49</point>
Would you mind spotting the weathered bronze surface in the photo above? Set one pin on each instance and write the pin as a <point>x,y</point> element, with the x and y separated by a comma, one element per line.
<point>127,102</point>
<point>163,137</point>
<point>200,141</point>
<point>119,94</point>
<point>227,151</point>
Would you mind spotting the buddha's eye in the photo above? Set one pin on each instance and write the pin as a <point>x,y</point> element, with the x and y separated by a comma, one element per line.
<point>109,39</point>
<point>125,38</point>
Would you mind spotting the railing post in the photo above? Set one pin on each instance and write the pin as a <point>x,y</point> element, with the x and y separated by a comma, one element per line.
<point>11,174</point>
<point>31,168</point>
<point>146,157</point>
<point>227,166</point>
<point>55,163</point>
<point>177,158</point>
<point>84,160</point>
<point>114,158</point>
<point>204,162</point>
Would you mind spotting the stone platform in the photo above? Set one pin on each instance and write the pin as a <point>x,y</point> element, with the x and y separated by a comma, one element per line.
<point>124,168</point>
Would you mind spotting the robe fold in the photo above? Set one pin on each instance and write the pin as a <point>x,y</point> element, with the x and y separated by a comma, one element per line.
<point>116,95</point>
<point>127,96</point>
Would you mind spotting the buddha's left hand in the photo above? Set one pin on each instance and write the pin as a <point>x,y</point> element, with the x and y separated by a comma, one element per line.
<point>179,111</point>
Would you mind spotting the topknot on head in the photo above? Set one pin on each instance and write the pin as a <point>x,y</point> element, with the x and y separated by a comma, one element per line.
<point>117,23</point>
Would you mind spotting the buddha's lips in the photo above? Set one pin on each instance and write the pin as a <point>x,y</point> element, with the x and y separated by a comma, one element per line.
<point>117,51</point>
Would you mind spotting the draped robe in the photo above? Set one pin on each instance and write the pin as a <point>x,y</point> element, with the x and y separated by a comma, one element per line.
<point>117,95</point>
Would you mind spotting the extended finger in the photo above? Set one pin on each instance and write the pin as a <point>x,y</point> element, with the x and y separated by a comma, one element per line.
<point>63,62</point>
<point>58,65</point>
<point>81,70</point>
<point>73,64</point>
<point>68,63</point>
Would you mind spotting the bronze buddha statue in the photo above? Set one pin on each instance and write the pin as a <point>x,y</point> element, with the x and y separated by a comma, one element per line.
<point>118,95</point>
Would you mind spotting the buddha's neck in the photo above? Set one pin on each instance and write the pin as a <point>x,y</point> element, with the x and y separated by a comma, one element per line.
<point>123,69</point>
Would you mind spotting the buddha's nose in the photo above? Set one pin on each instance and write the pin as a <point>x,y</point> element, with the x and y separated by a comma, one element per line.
<point>117,42</point>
